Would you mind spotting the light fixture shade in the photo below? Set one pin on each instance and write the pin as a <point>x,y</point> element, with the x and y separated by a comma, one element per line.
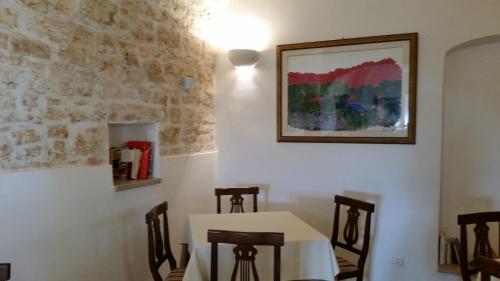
<point>243,57</point>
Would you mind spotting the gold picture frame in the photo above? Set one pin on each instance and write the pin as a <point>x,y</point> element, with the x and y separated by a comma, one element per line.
<point>359,90</point>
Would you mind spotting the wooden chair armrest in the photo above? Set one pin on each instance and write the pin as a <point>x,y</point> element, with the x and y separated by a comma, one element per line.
<point>488,267</point>
<point>184,255</point>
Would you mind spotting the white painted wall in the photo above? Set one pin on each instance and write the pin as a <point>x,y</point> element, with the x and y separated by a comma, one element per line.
<point>70,224</point>
<point>403,180</point>
<point>471,139</point>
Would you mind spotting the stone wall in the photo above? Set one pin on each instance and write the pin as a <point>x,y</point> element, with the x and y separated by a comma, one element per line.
<point>68,67</point>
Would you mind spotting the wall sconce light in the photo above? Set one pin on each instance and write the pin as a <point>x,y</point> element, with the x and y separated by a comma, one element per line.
<point>243,57</point>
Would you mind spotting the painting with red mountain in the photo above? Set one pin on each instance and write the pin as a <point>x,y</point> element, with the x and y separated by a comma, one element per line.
<point>363,96</point>
<point>356,90</point>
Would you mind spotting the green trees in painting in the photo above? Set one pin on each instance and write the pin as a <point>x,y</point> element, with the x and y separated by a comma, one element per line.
<point>336,107</point>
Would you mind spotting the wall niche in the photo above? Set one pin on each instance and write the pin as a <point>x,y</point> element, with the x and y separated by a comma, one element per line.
<point>134,154</point>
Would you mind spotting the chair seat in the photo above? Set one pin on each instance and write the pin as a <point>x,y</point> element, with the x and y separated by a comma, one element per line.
<point>346,266</point>
<point>176,274</point>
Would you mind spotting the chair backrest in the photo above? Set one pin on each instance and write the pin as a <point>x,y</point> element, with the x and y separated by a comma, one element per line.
<point>158,240</point>
<point>488,267</point>
<point>245,252</point>
<point>482,244</point>
<point>351,228</point>
<point>237,198</point>
<point>4,271</point>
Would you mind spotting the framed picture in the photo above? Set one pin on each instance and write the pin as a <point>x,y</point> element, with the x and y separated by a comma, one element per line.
<point>360,90</point>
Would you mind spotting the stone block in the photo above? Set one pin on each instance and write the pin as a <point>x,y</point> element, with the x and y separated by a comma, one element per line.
<point>71,81</point>
<point>29,153</point>
<point>150,51</point>
<point>23,45</point>
<point>107,90</point>
<point>37,5</point>
<point>174,100</point>
<point>170,38</point>
<point>171,150</point>
<point>174,71</point>
<point>57,151</point>
<point>58,131</point>
<point>142,32</point>
<point>110,66</point>
<point>193,148</point>
<point>74,54</point>
<point>131,59</point>
<point>78,116</point>
<point>8,17</point>
<point>39,85</point>
<point>99,11</point>
<point>30,99</point>
<point>122,24</point>
<point>170,135</point>
<point>54,113</point>
<point>25,136</point>
<point>55,28</point>
<point>89,142</point>
<point>94,161</point>
<point>10,77</point>
<point>10,59</point>
<point>7,117</point>
<point>152,12</point>
<point>51,101</point>
<point>5,147</point>
<point>62,7</point>
<point>130,8</point>
<point>178,7</point>
<point>190,139</point>
<point>106,44</point>
<point>7,103</point>
<point>154,71</point>
<point>82,36</point>
<point>174,115</point>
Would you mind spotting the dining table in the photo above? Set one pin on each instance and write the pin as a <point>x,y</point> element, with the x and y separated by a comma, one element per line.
<point>492,278</point>
<point>307,253</point>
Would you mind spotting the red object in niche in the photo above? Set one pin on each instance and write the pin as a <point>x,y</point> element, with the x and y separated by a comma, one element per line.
<point>145,147</point>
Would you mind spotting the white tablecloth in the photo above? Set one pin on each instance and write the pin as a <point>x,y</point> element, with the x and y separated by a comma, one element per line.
<point>307,253</point>
<point>492,278</point>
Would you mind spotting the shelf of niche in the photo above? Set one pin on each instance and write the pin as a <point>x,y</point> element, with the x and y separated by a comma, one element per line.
<point>449,268</point>
<point>124,184</point>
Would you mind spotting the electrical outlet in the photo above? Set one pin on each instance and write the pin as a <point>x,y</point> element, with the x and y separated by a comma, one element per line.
<point>397,261</point>
<point>188,83</point>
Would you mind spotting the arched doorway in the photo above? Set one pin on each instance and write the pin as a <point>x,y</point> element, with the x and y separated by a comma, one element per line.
<point>471,132</point>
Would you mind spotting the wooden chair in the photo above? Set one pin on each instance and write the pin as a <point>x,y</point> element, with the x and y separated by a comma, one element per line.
<point>236,198</point>
<point>245,252</point>
<point>159,245</point>
<point>488,267</point>
<point>4,271</point>
<point>351,235</point>
<point>482,246</point>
